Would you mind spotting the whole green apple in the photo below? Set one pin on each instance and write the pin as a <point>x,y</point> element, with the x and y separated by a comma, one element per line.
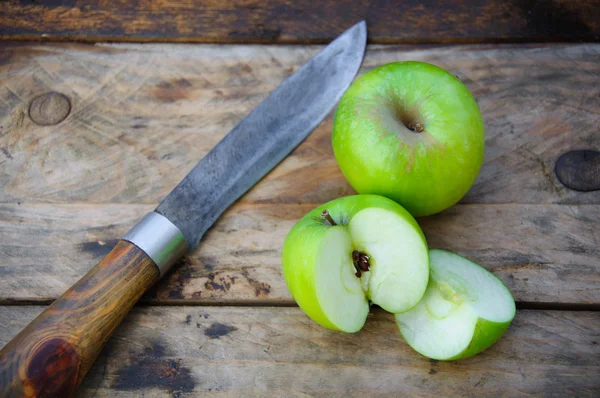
<point>353,250</point>
<point>412,132</point>
<point>464,310</point>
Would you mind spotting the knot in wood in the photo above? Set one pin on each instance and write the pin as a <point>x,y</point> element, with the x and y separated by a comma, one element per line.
<point>49,109</point>
<point>579,170</point>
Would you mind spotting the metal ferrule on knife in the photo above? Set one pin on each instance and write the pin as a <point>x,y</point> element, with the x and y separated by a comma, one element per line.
<point>160,239</point>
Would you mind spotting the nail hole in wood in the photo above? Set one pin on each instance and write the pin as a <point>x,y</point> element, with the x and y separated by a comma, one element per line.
<point>49,109</point>
<point>579,170</point>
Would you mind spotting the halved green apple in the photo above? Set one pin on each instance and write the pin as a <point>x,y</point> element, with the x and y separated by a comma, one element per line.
<point>353,250</point>
<point>464,310</point>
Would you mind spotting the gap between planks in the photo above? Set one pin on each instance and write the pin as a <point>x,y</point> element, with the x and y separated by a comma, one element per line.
<point>285,203</point>
<point>521,305</point>
<point>95,40</point>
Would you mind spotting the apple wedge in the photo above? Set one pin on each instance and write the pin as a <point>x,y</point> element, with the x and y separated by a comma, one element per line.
<point>464,310</point>
<point>352,251</point>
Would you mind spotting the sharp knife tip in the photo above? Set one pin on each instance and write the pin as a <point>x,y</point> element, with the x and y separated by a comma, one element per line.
<point>362,28</point>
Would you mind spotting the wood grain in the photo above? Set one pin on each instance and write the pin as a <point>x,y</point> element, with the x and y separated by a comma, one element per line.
<point>301,21</point>
<point>544,253</point>
<point>146,114</point>
<point>52,354</point>
<point>264,352</point>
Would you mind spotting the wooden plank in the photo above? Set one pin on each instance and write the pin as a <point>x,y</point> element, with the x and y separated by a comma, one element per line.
<point>544,253</point>
<point>226,351</point>
<point>145,115</point>
<point>301,21</point>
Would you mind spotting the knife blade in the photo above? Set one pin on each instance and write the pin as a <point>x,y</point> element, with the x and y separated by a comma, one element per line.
<point>264,138</point>
<point>51,355</point>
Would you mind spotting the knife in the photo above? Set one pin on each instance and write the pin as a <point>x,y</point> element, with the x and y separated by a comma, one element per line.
<point>51,355</point>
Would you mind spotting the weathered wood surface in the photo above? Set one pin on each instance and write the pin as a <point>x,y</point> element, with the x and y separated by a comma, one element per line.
<point>226,351</point>
<point>138,117</point>
<point>139,120</point>
<point>301,21</point>
<point>145,114</point>
<point>544,253</point>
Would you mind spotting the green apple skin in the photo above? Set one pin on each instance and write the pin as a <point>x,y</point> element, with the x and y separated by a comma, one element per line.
<point>486,334</point>
<point>426,172</point>
<point>304,241</point>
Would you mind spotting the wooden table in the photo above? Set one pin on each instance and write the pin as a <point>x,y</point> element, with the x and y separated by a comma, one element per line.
<point>137,117</point>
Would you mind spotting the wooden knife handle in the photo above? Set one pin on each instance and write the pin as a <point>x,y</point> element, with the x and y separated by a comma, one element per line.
<point>50,357</point>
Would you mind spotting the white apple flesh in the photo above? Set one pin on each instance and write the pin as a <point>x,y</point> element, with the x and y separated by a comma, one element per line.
<point>398,263</point>
<point>464,310</point>
<point>319,268</point>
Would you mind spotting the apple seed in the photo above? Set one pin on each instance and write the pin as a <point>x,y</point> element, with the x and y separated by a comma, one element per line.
<point>361,262</point>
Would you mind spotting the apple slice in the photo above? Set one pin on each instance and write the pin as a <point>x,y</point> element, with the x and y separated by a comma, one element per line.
<point>464,310</point>
<point>353,250</point>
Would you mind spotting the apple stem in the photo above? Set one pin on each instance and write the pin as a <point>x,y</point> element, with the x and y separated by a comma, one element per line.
<point>416,127</point>
<point>361,262</point>
<point>325,214</point>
